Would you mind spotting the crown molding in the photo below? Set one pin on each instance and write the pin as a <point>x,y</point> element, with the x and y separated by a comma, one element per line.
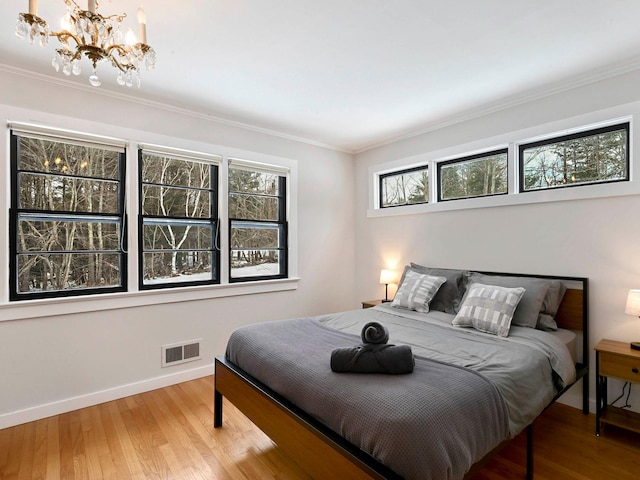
<point>167,107</point>
<point>505,103</point>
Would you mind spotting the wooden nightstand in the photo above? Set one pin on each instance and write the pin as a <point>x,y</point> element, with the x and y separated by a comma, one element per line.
<point>371,303</point>
<point>618,360</point>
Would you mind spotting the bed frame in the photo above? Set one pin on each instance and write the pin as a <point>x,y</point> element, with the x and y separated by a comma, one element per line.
<point>325,454</point>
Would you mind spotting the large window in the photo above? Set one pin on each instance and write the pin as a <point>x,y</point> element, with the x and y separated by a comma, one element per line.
<point>405,187</point>
<point>67,222</point>
<point>257,222</point>
<point>178,221</point>
<point>71,198</point>
<point>595,156</point>
<point>473,176</point>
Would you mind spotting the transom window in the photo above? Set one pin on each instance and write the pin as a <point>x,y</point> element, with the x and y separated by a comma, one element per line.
<point>178,221</point>
<point>474,176</point>
<point>257,222</point>
<point>67,219</point>
<point>404,187</point>
<point>594,156</point>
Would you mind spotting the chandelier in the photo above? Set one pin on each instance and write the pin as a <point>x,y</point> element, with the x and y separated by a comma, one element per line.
<point>94,36</point>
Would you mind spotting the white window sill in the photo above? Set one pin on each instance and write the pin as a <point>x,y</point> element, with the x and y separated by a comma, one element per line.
<point>69,305</point>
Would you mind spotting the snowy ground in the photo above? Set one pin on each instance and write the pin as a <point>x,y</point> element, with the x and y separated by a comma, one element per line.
<point>256,270</point>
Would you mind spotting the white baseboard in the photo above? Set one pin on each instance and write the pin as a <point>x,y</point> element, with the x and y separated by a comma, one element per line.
<point>74,403</point>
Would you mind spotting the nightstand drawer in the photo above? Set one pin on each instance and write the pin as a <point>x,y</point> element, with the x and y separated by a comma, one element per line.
<point>620,366</point>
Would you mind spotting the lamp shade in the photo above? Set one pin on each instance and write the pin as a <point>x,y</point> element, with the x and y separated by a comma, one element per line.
<point>387,276</point>
<point>633,303</point>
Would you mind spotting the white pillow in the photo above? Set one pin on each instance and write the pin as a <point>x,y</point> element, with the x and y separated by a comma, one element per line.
<point>416,291</point>
<point>489,308</point>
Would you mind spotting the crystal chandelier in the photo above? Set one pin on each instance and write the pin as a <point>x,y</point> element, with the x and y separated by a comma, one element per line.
<point>90,34</point>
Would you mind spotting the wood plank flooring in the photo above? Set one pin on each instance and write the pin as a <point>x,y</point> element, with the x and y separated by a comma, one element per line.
<point>168,434</point>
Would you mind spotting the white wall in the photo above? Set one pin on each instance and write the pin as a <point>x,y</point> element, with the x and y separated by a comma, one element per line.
<point>50,364</point>
<point>596,238</point>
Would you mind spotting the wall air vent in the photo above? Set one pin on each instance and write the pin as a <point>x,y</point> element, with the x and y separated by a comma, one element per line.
<point>178,353</point>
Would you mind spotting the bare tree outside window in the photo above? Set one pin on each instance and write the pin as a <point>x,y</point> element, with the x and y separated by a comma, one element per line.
<point>406,187</point>
<point>476,176</point>
<point>178,209</point>
<point>595,156</point>
<point>68,221</point>
<point>258,224</point>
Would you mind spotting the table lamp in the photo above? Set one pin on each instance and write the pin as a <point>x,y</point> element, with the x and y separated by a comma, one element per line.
<point>632,308</point>
<point>387,277</point>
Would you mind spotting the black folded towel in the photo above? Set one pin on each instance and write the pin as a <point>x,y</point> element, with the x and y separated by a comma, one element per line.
<point>373,358</point>
<point>374,332</point>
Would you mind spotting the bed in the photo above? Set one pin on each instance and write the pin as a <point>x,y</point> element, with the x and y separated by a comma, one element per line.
<point>353,425</point>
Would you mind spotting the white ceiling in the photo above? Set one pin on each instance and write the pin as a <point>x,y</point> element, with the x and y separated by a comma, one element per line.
<point>351,74</point>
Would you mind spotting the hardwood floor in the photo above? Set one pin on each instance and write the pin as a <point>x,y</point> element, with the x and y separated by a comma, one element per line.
<point>169,434</point>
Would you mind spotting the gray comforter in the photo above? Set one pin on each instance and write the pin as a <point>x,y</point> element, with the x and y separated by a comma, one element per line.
<point>431,424</point>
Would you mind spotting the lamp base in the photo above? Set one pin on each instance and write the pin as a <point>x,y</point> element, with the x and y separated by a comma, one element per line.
<point>635,345</point>
<point>386,300</point>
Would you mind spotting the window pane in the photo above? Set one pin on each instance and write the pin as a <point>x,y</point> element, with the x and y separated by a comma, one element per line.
<point>68,235</point>
<point>59,158</point>
<point>177,266</point>
<point>170,171</point>
<point>184,237</point>
<point>250,207</point>
<point>255,263</point>
<point>404,188</point>
<point>591,157</point>
<point>67,271</point>
<point>68,194</point>
<point>175,202</point>
<point>253,182</point>
<point>255,237</point>
<point>474,176</point>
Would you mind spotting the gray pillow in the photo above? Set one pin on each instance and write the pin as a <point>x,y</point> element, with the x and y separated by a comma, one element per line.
<point>416,291</point>
<point>530,306</point>
<point>448,298</point>
<point>489,308</point>
<point>550,305</point>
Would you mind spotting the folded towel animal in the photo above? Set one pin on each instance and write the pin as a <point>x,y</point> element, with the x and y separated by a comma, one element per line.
<point>373,358</point>
<point>374,332</point>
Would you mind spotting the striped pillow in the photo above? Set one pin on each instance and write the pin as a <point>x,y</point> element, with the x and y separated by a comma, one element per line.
<point>416,291</point>
<point>489,308</point>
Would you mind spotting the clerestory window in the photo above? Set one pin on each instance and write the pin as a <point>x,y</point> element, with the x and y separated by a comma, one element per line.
<point>595,156</point>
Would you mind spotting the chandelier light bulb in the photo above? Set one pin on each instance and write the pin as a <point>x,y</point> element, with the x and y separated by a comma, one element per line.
<point>65,22</point>
<point>130,38</point>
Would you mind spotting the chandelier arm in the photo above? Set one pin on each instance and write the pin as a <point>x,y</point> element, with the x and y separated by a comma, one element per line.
<point>122,51</point>
<point>64,35</point>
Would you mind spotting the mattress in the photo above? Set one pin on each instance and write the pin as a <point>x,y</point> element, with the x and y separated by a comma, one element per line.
<point>567,337</point>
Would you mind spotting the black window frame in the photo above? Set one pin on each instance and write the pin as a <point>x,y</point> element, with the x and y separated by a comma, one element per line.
<point>15,211</point>
<point>395,173</point>
<point>213,220</point>
<point>468,158</point>
<point>281,224</point>
<point>573,136</point>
